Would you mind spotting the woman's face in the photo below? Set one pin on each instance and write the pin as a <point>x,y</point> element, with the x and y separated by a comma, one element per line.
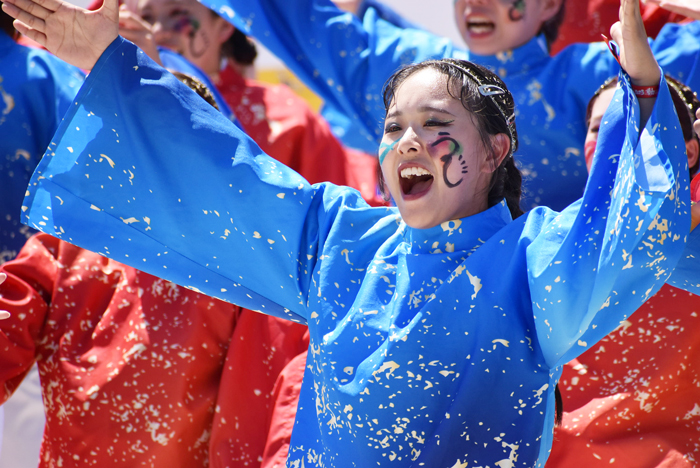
<point>492,26</point>
<point>599,106</point>
<point>187,27</point>
<point>432,156</point>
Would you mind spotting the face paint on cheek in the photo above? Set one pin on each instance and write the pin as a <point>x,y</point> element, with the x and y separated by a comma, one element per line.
<point>517,10</point>
<point>187,23</point>
<point>454,149</point>
<point>589,151</point>
<point>384,149</point>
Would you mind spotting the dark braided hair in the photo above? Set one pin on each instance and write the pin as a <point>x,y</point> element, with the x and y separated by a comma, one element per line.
<point>239,47</point>
<point>486,97</point>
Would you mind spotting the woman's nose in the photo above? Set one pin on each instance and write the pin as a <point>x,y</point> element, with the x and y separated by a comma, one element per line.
<point>410,141</point>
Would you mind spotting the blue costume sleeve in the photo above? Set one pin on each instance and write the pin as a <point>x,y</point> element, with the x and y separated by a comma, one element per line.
<point>249,262</point>
<point>686,275</point>
<point>644,228</point>
<point>174,61</point>
<point>386,13</point>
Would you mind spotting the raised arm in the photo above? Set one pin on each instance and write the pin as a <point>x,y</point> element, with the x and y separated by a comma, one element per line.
<point>597,261</point>
<point>145,172</point>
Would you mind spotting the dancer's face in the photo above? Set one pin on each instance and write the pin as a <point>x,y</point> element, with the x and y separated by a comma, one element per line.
<point>432,156</point>
<point>492,26</point>
<point>187,27</point>
<point>597,110</point>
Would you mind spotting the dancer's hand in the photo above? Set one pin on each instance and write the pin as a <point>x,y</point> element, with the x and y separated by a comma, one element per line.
<point>73,34</point>
<point>138,31</point>
<point>689,8</point>
<point>3,313</point>
<point>636,57</point>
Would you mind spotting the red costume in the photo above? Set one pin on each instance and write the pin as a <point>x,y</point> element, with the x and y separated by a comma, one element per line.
<point>131,364</point>
<point>633,400</point>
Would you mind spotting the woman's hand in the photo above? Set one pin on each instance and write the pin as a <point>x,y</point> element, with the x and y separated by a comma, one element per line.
<point>73,34</point>
<point>636,57</point>
<point>3,313</point>
<point>689,8</point>
<point>133,28</point>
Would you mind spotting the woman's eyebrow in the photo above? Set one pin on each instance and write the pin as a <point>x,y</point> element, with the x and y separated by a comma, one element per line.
<point>394,114</point>
<point>434,109</point>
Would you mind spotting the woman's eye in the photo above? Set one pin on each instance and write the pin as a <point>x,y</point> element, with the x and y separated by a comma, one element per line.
<point>391,128</point>
<point>177,12</point>
<point>593,130</point>
<point>437,123</point>
<point>148,19</point>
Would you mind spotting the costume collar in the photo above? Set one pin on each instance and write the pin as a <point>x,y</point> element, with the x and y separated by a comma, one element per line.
<point>465,234</point>
<point>516,61</point>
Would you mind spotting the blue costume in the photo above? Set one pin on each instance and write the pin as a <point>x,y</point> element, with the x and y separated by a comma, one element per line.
<point>347,62</point>
<point>174,61</point>
<point>36,90</point>
<point>436,347</point>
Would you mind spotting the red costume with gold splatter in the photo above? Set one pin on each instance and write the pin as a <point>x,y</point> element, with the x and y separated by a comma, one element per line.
<point>131,365</point>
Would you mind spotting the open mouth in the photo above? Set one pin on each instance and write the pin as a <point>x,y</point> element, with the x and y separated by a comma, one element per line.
<point>479,26</point>
<point>415,181</point>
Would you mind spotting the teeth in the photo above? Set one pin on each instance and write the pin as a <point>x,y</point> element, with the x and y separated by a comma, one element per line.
<point>480,28</point>
<point>409,172</point>
<point>479,19</point>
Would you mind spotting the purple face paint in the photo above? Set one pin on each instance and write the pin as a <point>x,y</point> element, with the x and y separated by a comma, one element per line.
<point>517,10</point>
<point>454,149</point>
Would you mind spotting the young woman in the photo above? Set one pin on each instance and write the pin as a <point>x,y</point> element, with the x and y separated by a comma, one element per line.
<point>438,329</point>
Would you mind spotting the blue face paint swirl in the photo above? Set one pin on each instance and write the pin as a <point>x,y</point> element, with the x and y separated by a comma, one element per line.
<point>384,149</point>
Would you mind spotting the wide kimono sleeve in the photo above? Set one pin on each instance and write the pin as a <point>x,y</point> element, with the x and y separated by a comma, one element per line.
<point>686,275</point>
<point>343,60</point>
<point>145,172</point>
<point>596,262</point>
<point>26,293</point>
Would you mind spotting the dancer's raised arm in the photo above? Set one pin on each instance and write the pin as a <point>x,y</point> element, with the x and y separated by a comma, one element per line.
<point>73,34</point>
<point>636,57</point>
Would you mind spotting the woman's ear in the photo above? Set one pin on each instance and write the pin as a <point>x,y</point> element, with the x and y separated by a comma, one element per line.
<point>224,30</point>
<point>692,147</point>
<point>549,9</point>
<point>501,147</point>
